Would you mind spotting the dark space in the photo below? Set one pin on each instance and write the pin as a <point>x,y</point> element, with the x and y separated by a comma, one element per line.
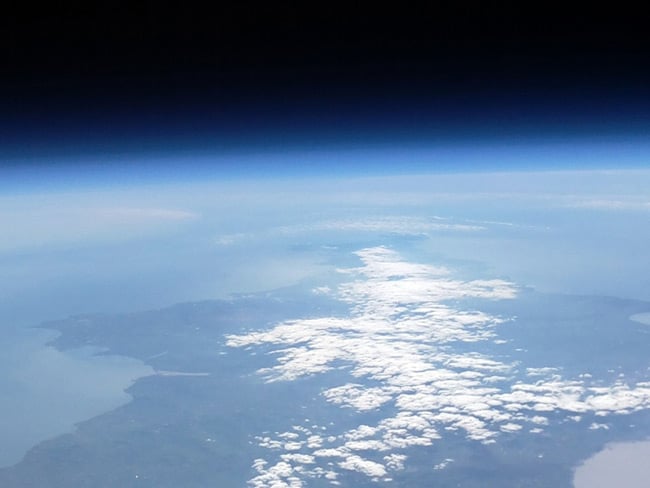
<point>148,75</point>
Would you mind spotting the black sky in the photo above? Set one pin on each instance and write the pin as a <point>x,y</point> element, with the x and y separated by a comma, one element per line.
<point>104,75</point>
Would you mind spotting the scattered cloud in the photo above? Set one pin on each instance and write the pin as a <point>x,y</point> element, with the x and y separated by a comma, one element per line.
<point>399,345</point>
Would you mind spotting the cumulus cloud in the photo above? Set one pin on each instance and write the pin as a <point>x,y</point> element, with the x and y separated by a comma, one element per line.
<point>399,344</point>
<point>365,466</point>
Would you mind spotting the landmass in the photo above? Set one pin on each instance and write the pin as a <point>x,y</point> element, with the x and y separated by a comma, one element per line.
<point>197,422</point>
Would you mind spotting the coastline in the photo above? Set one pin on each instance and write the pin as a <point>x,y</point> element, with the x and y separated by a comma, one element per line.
<point>73,385</point>
<point>618,464</point>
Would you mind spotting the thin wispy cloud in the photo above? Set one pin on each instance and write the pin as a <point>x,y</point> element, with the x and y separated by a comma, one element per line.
<point>136,214</point>
<point>611,204</point>
<point>400,225</point>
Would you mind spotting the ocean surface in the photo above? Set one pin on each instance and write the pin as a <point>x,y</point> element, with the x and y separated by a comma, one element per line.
<point>46,391</point>
<point>619,464</point>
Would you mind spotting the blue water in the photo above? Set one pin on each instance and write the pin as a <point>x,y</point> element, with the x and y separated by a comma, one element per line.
<point>46,392</point>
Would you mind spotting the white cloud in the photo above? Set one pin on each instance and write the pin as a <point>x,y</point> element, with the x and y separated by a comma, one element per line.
<point>405,225</point>
<point>280,475</point>
<point>510,427</point>
<point>402,225</point>
<point>365,466</point>
<point>398,344</point>
<point>395,461</point>
<point>443,464</point>
<point>357,396</point>
<point>298,458</point>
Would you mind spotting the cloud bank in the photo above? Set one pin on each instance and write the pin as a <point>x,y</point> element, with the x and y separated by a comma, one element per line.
<point>400,347</point>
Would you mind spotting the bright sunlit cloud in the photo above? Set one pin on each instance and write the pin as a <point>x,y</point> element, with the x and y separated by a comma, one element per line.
<point>399,345</point>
